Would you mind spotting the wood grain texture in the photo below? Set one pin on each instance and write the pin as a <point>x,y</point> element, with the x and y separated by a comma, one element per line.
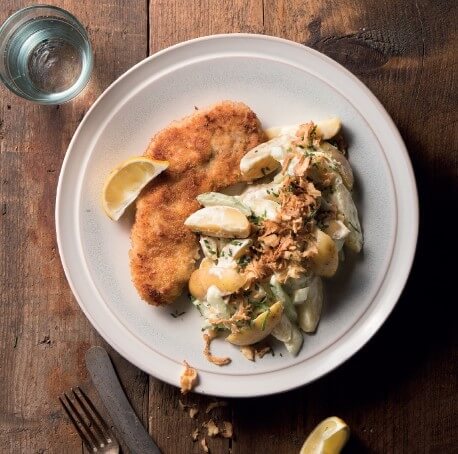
<point>43,333</point>
<point>399,394</point>
<point>172,22</point>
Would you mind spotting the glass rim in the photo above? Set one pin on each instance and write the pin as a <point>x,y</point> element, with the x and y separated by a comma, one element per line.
<point>13,16</point>
<point>16,20</point>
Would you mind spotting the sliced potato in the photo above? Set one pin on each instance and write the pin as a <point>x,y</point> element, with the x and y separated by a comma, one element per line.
<point>326,261</point>
<point>277,131</point>
<point>267,209</point>
<point>211,199</point>
<point>347,208</point>
<point>309,313</point>
<point>343,166</point>
<point>259,161</point>
<point>300,295</point>
<point>257,166</point>
<point>260,328</point>
<point>196,286</point>
<point>233,251</point>
<point>338,231</point>
<point>219,221</point>
<point>227,280</point>
<point>328,128</point>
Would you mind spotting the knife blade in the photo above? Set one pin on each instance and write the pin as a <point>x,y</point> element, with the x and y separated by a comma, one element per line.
<point>105,380</point>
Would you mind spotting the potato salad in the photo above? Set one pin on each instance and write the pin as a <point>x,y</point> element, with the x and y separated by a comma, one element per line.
<point>266,250</point>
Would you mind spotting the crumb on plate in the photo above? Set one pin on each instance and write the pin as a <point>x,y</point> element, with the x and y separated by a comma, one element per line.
<point>248,352</point>
<point>188,378</point>
<point>218,360</point>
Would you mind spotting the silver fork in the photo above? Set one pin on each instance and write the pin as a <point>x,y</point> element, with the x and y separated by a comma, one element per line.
<point>91,427</point>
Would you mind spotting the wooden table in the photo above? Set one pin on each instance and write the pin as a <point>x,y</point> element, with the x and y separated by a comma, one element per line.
<point>399,394</point>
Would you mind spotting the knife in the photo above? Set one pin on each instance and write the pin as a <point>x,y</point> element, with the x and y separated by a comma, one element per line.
<point>104,377</point>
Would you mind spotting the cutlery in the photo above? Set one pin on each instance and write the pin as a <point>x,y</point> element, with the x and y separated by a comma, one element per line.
<point>91,427</point>
<point>115,401</point>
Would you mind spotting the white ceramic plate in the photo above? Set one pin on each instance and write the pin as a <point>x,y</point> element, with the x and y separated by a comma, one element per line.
<point>283,82</point>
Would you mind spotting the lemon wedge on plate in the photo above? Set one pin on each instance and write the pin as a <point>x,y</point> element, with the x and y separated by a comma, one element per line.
<point>126,181</point>
<point>328,437</point>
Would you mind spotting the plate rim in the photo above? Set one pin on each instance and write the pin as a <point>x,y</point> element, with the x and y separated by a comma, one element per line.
<point>407,262</point>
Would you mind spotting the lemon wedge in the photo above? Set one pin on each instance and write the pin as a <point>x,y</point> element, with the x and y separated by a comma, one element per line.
<point>328,437</point>
<point>125,182</point>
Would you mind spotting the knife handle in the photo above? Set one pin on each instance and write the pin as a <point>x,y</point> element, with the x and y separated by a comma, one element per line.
<point>115,401</point>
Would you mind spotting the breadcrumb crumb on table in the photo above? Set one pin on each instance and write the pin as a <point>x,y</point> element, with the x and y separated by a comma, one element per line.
<point>188,378</point>
<point>218,360</point>
<point>203,444</point>
<point>211,406</point>
<point>227,430</point>
<point>212,428</point>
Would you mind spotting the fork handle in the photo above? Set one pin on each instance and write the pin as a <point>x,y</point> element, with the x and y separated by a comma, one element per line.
<point>115,401</point>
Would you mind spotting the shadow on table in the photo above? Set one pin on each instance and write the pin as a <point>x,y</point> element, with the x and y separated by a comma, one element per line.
<point>399,383</point>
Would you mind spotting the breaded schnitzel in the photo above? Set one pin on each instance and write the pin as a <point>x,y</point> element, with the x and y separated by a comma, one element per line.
<point>204,152</point>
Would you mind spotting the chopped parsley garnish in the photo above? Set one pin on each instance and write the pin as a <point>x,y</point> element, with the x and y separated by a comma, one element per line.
<point>264,322</point>
<point>354,227</point>
<point>177,314</point>
<point>236,243</point>
<point>272,192</point>
<point>209,248</point>
<point>313,213</point>
<point>257,219</point>
<point>244,261</point>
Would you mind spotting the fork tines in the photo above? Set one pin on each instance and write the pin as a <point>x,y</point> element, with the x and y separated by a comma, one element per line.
<point>90,426</point>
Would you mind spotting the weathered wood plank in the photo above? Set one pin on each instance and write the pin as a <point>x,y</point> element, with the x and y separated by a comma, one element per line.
<point>398,394</point>
<point>172,22</point>
<point>43,333</point>
<point>179,20</point>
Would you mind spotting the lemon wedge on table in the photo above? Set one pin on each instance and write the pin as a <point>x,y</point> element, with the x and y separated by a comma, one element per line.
<point>125,182</point>
<point>328,437</point>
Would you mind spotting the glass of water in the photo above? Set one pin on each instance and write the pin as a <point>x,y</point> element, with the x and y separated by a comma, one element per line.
<point>45,54</point>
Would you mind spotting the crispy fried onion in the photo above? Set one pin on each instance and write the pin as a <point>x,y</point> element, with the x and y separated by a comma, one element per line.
<point>283,246</point>
<point>307,136</point>
<point>218,360</point>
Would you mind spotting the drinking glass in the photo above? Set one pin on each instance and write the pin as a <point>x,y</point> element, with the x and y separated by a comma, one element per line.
<point>45,54</point>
